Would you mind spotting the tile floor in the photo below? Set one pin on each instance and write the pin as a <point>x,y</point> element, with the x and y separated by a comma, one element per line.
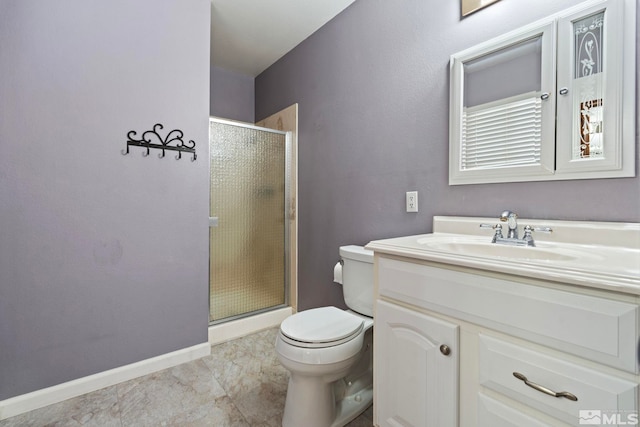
<point>241,384</point>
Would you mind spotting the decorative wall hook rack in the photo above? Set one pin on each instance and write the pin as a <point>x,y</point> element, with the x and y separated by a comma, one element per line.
<point>175,136</point>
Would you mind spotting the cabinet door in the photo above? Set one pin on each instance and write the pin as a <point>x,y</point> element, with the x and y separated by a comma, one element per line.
<point>502,108</point>
<point>596,101</point>
<point>416,369</point>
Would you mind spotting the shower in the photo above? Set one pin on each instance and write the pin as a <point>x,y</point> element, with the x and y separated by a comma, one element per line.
<point>249,233</point>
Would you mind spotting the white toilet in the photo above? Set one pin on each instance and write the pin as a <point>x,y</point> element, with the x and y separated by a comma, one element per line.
<point>329,352</point>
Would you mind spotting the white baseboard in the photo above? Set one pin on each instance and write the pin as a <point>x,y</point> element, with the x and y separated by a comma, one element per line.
<point>217,334</point>
<point>248,325</point>
<point>55,394</point>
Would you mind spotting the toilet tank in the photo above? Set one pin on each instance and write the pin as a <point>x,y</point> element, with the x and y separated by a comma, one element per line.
<point>357,278</point>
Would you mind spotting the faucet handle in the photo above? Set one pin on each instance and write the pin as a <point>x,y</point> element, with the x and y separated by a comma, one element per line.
<point>543,229</point>
<point>539,229</point>
<point>497,227</point>
<point>527,235</point>
<point>529,229</point>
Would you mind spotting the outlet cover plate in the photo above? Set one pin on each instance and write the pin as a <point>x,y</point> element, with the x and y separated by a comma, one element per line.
<point>412,201</point>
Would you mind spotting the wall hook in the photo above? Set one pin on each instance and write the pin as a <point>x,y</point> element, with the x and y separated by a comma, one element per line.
<point>173,137</point>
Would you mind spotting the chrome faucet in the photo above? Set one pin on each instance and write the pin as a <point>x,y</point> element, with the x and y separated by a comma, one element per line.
<point>511,218</point>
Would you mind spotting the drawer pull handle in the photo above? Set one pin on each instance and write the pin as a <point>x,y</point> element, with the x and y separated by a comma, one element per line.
<point>545,390</point>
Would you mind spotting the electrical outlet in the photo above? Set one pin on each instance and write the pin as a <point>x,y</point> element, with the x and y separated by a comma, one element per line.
<point>412,201</point>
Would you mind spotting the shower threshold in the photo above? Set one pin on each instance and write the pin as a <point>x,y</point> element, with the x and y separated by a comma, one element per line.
<point>236,328</point>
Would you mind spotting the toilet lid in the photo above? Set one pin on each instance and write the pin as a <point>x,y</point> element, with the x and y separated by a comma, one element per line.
<point>321,327</point>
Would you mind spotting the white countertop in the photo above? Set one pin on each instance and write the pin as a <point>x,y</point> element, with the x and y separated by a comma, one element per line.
<point>600,255</point>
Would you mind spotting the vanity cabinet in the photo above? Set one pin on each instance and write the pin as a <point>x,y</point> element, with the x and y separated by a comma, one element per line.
<point>511,342</point>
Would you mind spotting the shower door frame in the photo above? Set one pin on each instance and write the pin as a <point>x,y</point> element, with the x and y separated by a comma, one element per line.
<point>287,217</point>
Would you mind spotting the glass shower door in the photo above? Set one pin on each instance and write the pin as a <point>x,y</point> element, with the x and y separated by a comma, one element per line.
<point>248,236</point>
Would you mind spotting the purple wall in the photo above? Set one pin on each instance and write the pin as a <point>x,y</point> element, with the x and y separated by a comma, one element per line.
<point>373,93</point>
<point>232,95</point>
<point>103,257</point>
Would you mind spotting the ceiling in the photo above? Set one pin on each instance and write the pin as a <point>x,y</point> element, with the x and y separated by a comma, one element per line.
<point>247,36</point>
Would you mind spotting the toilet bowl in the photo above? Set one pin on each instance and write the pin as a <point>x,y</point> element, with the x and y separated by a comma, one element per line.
<point>329,353</point>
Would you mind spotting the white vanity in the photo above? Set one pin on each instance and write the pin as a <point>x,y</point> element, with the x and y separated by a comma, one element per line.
<point>473,333</point>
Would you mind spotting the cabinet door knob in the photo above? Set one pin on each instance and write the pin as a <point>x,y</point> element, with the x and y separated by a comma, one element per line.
<point>544,96</point>
<point>564,91</point>
<point>444,349</point>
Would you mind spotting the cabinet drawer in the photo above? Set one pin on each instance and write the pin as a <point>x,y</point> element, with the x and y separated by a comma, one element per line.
<point>599,329</point>
<point>496,414</point>
<point>498,360</point>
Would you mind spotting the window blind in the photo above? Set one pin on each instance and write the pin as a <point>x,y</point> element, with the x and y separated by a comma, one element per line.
<point>502,134</point>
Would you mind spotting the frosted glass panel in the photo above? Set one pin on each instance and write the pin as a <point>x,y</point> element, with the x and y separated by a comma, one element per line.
<point>247,262</point>
<point>588,83</point>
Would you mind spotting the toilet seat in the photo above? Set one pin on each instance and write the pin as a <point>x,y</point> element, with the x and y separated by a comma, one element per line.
<point>320,328</point>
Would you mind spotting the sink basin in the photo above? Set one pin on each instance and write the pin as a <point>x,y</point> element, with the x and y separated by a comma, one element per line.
<point>603,255</point>
<point>488,250</point>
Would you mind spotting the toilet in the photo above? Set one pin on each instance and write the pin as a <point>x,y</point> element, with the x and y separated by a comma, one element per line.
<point>329,351</point>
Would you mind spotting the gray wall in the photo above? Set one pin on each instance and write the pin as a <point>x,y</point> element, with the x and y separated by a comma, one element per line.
<point>232,95</point>
<point>373,94</point>
<point>103,257</point>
